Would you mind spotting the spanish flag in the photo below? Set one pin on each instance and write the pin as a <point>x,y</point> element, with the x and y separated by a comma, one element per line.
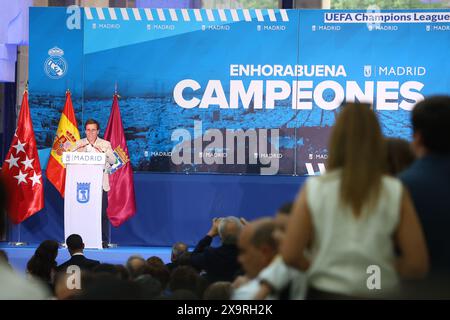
<point>66,136</point>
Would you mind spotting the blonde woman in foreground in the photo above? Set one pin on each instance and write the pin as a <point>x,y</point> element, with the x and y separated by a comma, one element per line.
<point>347,225</point>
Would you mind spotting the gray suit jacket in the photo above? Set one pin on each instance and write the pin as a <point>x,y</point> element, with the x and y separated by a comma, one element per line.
<point>100,145</point>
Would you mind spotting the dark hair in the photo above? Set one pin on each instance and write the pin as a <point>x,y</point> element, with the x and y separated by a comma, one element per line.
<point>220,290</point>
<point>399,155</point>
<point>160,273</point>
<point>183,294</point>
<point>431,118</point>
<point>150,287</point>
<point>154,260</point>
<point>122,272</point>
<point>184,259</point>
<point>74,242</point>
<point>184,277</point>
<point>92,121</point>
<point>108,287</point>
<point>107,268</point>
<point>286,208</point>
<point>43,261</point>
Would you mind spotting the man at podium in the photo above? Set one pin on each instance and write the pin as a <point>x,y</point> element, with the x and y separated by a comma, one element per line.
<point>92,143</point>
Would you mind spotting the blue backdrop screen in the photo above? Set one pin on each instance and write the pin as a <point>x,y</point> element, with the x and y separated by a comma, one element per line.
<point>233,91</point>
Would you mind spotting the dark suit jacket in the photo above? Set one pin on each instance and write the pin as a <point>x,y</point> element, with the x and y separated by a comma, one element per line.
<point>78,260</point>
<point>220,263</point>
<point>171,266</point>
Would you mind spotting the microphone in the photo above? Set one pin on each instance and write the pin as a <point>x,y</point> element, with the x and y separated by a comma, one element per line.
<point>88,144</point>
<point>98,149</point>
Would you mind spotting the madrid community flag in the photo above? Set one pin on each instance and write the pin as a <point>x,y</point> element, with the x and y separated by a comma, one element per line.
<point>121,198</point>
<point>66,136</point>
<point>22,170</point>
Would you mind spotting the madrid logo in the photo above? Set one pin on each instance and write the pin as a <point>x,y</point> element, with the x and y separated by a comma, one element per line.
<point>367,71</point>
<point>83,192</point>
<point>55,66</point>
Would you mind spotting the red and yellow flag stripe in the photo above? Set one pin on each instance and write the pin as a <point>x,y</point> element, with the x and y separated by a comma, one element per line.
<point>66,136</point>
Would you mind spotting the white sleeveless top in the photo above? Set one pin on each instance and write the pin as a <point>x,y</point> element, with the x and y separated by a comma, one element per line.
<point>344,246</point>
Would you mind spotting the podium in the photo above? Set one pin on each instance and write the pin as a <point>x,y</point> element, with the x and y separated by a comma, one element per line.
<point>83,196</point>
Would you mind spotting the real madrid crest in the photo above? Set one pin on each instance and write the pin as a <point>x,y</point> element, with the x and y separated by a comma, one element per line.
<point>55,66</point>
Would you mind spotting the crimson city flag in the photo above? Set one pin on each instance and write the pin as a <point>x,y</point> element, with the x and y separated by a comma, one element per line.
<point>22,170</point>
<point>121,198</point>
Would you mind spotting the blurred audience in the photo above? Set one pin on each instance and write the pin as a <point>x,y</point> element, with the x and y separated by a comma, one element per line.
<point>13,286</point>
<point>107,269</point>
<point>220,263</point>
<point>65,286</point>
<point>186,278</point>
<point>136,266</point>
<point>348,221</point>
<point>178,249</point>
<point>150,287</point>
<point>42,264</point>
<point>109,287</point>
<point>160,273</point>
<point>153,260</point>
<point>400,155</point>
<point>352,233</point>
<point>257,249</point>
<point>220,290</point>
<point>278,279</point>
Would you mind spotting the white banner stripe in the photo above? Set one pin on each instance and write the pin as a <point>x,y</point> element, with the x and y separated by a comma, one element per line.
<point>112,13</point>
<point>222,15</point>
<point>124,13</point>
<point>88,13</point>
<point>185,14</point>
<point>234,15</point>
<point>161,15</point>
<point>284,15</point>
<point>136,13</point>
<point>259,15</point>
<point>149,14</point>
<point>173,15</point>
<point>210,15</point>
<point>247,16</point>
<point>198,15</point>
<point>271,15</point>
<point>100,14</point>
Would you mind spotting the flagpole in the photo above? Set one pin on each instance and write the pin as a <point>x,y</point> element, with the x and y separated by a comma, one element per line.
<point>18,243</point>
<point>110,244</point>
